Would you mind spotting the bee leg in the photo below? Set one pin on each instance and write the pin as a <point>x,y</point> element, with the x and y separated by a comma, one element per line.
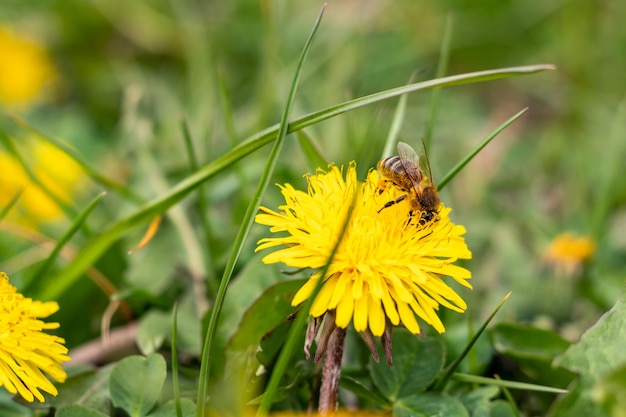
<point>382,185</point>
<point>391,203</point>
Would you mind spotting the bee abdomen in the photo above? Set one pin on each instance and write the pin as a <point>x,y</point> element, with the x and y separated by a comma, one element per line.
<point>391,164</point>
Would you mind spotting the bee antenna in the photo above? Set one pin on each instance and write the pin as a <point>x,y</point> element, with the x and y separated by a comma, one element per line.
<point>430,173</point>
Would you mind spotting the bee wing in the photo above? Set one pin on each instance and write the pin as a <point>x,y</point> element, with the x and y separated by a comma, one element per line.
<point>406,152</point>
<point>410,162</point>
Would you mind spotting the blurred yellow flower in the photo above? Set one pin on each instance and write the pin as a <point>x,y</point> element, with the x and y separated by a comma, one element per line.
<point>25,69</point>
<point>56,171</point>
<point>25,350</point>
<point>388,268</point>
<point>567,252</point>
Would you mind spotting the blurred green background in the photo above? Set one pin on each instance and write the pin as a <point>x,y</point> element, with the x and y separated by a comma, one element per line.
<point>124,76</point>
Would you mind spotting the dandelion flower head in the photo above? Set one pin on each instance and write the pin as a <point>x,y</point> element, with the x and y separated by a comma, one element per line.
<point>388,267</point>
<point>26,352</point>
<point>567,252</point>
<point>25,69</point>
<point>59,174</point>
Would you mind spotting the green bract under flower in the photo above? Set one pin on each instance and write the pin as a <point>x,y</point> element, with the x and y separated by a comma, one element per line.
<point>388,268</point>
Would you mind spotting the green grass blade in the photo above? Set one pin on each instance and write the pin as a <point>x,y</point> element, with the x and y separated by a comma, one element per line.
<point>508,384</point>
<point>441,382</point>
<point>5,210</point>
<point>67,209</point>
<point>442,67</point>
<point>247,222</point>
<point>472,77</point>
<point>38,277</point>
<point>202,199</point>
<point>227,110</point>
<point>175,383</point>
<point>613,167</point>
<point>452,173</point>
<point>396,124</point>
<point>77,157</point>
<point>509,398</point>
<point>311,151</point>
<point>98,245</point>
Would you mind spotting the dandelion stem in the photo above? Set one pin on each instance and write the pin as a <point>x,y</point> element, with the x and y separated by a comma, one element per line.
<point>329,391</point>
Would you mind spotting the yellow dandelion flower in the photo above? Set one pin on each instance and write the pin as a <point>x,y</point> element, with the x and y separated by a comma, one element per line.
<point>567,252</point>
<point>25,69</point>
<point>26,352</point>
<point>57,172</point>
<point>388,268</point>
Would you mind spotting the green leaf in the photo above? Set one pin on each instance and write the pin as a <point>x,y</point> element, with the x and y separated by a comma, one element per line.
<point>534,350</point>
<point>10,408</point>
<point>89,389</point>
<point>136,383</point>
<point>360,390</point>
<point>501,408</point>
<point>527,341</point>
<point>610,392</point>
<point>267,312</point>
<point>416,363</point>
<point>479,398</point>
<point>154,329</point>
<point>79,411</point>
<point>599,352</point>
<point>429,405</point>
<point>169,409</point>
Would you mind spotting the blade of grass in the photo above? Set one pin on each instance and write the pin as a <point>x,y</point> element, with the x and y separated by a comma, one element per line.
<point>69,211</point>
<point>98,245</point>
<point>508,384</point>
<point>613,166</point>
<point>5,210</point>
<point>442,67</point>
<point>452,173</point>
<point>441,382</point>
<point>311,151</point>
<point>175,384</point>
<point>472,77</point>
<point>77,157</point>
<point>43,269</point>
<point>248,221</point>
<point>509,397</point>
<point>202,200</point>
<point>396,123</point>
<point>231,130</point>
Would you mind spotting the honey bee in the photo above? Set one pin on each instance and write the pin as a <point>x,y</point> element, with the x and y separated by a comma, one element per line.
<point>404,172</point>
